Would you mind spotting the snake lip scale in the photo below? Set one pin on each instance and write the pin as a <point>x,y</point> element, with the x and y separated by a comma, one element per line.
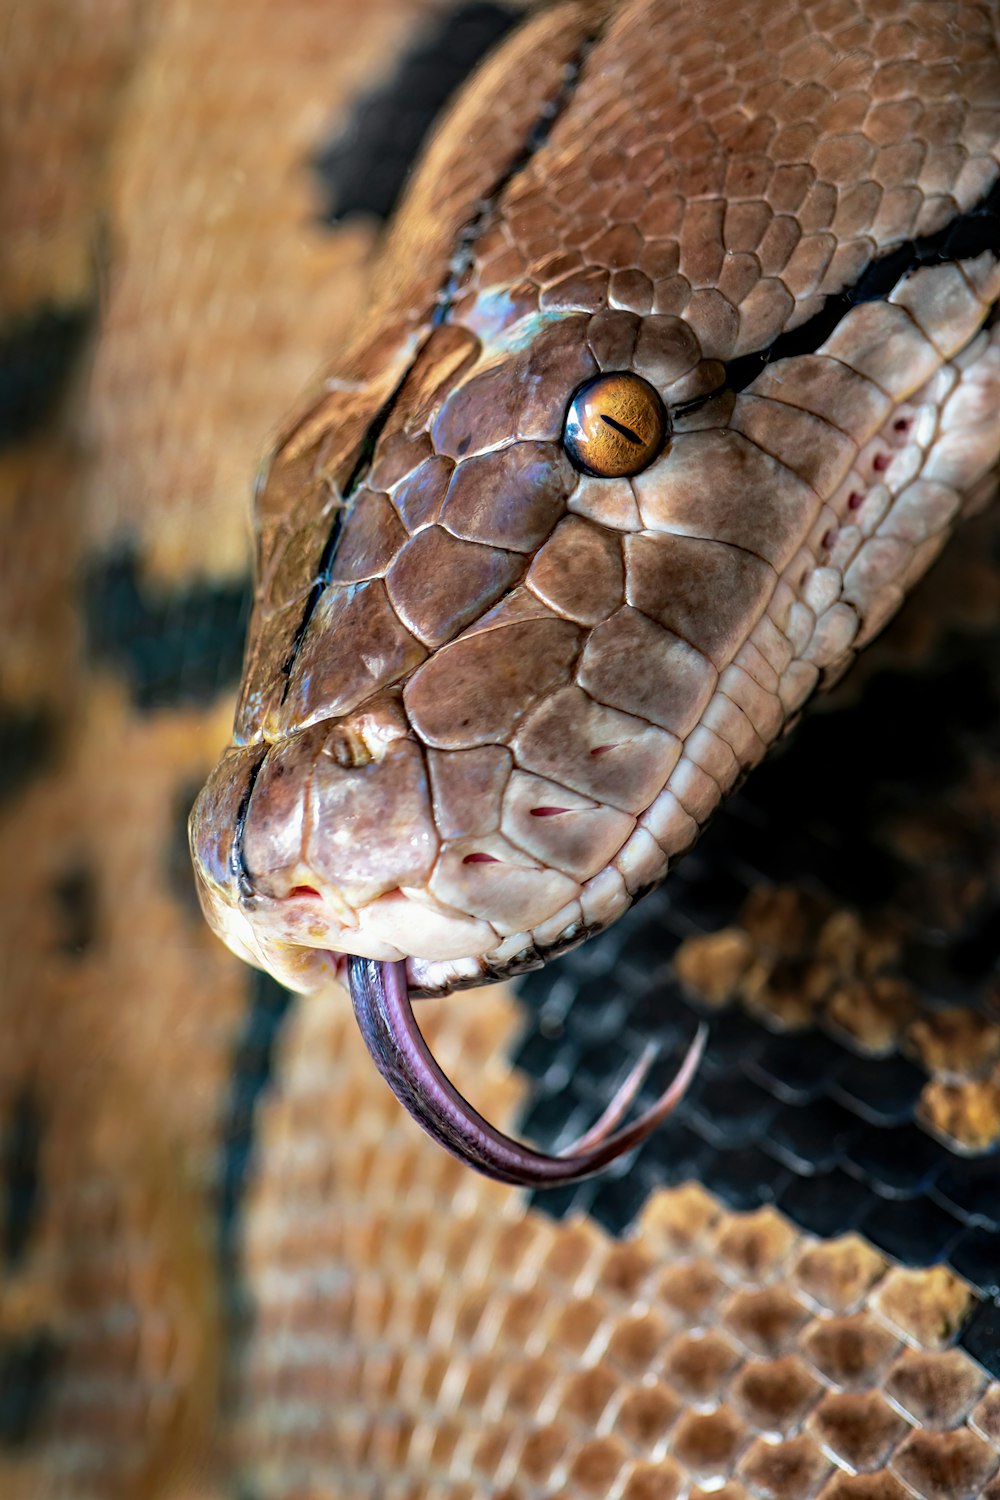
<point>670,389</point>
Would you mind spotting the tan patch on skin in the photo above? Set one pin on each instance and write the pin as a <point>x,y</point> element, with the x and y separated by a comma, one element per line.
<point>928,1306</point>
<point>839,1274</point>
<point>714,964</point>
<point>958,1040</point>
<point>873,1012</point>
<point>967,1112</point>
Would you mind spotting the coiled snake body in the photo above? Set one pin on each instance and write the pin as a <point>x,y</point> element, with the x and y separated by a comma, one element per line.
<point>229,1264</point>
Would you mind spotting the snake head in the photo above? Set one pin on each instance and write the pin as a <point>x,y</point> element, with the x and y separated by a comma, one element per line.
<point>430,772</point>
<point>636,448</point>
<point>455,720</point>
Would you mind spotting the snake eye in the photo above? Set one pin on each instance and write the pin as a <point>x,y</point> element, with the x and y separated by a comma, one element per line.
<point>616,425</point>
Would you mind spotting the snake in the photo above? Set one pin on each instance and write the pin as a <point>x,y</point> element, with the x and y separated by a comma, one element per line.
<point>230,1264</point>
<point>680,367</point>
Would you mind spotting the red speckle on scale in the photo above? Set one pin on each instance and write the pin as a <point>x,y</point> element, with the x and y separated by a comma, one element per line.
<point>902,424</point>
<point>855,500</point>
<point>480,859</point>
<point>881,462</point>
<point>829,537</point>
<point>547,812</point>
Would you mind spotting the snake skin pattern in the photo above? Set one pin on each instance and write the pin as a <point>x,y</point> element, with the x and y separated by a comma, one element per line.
<point>230,1264</point>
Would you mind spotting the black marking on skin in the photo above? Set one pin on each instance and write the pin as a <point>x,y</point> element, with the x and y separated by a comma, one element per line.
<point>27,748</point>
<point>981,1336</point>
<point>366,167</point>
<point>237,863</point>
<point>27,1359</point>
<point>75,896</point>
<point>37,357</point>
<point>27,1365</point>
<point>183,647</point>
<point>22,1138</point>
<point>963,239</point>
<point>252,1070</point>
<point>625,432</point>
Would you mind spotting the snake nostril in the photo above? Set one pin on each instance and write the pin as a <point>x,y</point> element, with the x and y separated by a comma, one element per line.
<point>305,890</point>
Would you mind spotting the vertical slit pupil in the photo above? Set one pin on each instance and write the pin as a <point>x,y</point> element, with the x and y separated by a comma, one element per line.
<point>626,432</point>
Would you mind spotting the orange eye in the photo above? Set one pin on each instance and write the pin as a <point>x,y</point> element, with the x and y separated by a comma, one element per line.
<point>616,425</point>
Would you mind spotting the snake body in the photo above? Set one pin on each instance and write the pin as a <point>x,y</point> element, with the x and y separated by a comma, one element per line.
<point>489,695</point>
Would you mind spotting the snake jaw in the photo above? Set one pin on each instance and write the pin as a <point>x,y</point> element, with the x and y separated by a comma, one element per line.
<point>380,996</point>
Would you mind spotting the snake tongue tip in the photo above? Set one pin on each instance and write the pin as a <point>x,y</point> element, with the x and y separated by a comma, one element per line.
<point>380,996</point>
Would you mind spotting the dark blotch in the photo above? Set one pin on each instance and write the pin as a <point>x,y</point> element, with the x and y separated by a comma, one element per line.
<point>27,743</point>
<point>182,647</point>
<point>75,897</point>
<point>981,1338</point>
<point>36,358</point>
<point>27,1365</point>
<point>253,1061</point>
<point>20,1149</point>
<point>366,166</point>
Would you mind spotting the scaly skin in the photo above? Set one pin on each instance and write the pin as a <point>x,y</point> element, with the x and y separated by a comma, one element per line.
<point>400,1326</point>
<point>488,699</point>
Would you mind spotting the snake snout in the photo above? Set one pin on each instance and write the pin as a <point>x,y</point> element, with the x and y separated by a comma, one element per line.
<point>323,844</point>
<point>337,817</point>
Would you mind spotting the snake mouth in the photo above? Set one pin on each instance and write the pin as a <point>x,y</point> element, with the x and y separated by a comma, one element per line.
<point>381,1000</point>
<point>260,929</point>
